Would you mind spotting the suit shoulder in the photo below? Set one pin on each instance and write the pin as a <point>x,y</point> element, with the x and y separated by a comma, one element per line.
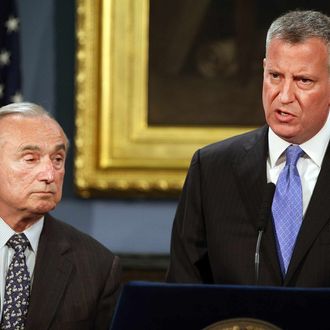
<point>235,143</point>
<point>76,238</point>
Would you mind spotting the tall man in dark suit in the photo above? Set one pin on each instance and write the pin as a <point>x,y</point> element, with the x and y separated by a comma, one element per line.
<point>218,221</point>
<point>51,275</point>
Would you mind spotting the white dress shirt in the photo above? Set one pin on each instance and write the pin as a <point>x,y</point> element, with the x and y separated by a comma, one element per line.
<point>309,165</point>
<point>6,253</point>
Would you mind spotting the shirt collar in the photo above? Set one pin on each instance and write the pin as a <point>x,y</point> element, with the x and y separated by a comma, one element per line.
<point>32,233</point>
<point>315,147</point>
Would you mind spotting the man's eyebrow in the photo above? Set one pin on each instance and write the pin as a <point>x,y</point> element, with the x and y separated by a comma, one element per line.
<point>29,147</point>
<point>32,147</point>
<point>61,146</point>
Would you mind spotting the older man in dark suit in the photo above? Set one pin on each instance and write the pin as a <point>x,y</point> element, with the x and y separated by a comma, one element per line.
<point>51,276</point>
<point>222,232</point>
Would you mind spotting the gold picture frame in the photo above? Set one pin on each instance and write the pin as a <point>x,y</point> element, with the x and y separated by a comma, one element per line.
<point>117,153</point>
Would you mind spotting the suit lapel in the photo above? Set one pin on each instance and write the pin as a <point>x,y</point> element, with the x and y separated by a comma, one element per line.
<point>252,180</point>
<point>250,170</point>
<point>317,216</point>
<point>51,275</point>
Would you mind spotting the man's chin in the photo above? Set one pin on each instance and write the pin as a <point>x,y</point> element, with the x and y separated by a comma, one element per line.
<point>44,208</point>
<point>285,133</point>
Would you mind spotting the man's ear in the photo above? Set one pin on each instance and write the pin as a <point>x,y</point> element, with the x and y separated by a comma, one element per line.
<point>329,93</point>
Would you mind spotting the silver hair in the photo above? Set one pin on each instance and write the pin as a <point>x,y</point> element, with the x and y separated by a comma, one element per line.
<point>298,25</point>
<point>27,109</point>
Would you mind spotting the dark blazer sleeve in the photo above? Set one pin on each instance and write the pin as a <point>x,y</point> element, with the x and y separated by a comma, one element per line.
<point>108,299</point>
<point>189,260</point>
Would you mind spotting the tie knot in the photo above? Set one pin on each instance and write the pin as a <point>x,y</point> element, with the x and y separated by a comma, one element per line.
<point>19,242</point>
<point>292,155</point>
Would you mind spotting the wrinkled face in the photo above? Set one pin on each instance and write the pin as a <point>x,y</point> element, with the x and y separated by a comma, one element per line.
<point>32,159</point>
<point>296,88</point>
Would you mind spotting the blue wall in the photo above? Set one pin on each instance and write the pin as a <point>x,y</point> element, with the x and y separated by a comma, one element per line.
<point>47,38</point>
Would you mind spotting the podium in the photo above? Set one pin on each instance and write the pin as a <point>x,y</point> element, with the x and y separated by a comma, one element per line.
<point>150,305</point>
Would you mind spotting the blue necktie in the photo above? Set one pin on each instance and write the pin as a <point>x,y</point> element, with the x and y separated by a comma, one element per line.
<point>287,207</point>
<point>17,288</point>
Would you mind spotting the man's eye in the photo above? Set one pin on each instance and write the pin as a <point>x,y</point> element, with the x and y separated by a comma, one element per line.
<point>305,81</point>
<point>274,75</point>
<point>29,159</point>
<point>58,161</point>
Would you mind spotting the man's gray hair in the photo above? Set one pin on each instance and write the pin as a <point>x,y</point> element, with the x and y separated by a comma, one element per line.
<point>25,109</point>
<point>298,25</point>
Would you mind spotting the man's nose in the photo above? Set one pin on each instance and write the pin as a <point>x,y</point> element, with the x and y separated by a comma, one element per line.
<point>47,171</point>
<point>287,92</point>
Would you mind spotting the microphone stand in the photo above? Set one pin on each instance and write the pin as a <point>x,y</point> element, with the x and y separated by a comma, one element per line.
<point>257,255</point>
<point>265,212</point>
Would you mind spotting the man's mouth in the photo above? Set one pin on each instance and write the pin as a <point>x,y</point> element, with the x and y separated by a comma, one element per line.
<point>284,113</point>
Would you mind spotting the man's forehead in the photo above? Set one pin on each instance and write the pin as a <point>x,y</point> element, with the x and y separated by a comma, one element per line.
<point>32,133</point>
<point>31,126</point>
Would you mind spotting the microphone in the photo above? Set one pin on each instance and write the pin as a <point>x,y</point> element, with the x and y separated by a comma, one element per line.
<point>264,215</point>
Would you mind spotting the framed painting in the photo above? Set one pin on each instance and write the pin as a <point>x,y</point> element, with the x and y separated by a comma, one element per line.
<point>137,123</point>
